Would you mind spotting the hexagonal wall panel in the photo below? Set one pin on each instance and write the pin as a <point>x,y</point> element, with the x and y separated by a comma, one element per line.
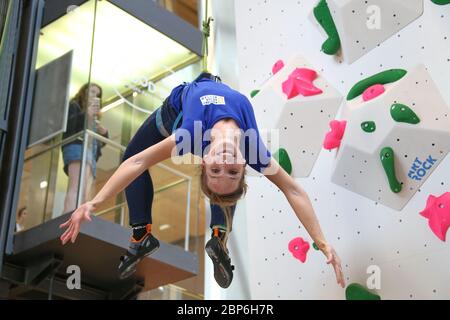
<point>362,25</point>
<point>300,120</point>
<point>394,139</point>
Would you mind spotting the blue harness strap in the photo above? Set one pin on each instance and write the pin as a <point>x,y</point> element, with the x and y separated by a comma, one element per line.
<point>160,125</point>
<point>180,115</point>
<point>177,120</point>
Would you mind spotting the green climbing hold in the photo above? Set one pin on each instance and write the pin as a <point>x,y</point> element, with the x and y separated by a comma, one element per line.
<point>441,2</point>
<point>384,77</point>
<point>355,291</point>
<point>254,93</point>
<point>387,160</point>
<point>323,16</point>
<point>315,246</point>
<point>402,113</point>
<point>283,159</point>
<point>368,126</point>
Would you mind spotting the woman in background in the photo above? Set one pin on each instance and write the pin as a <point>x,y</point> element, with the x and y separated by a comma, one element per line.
<point>86,102</point>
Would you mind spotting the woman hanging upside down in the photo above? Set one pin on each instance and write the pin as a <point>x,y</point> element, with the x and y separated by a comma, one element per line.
<point>211,120</point>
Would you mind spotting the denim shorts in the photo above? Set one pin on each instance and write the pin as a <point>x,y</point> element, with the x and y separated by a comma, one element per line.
<point>73,152</point>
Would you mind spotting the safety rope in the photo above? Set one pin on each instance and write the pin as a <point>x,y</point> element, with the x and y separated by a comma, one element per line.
<point>206,30</point>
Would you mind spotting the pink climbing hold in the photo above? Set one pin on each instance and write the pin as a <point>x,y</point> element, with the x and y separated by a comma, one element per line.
<point>373,91</point>
<point>299,248</point>
<point>437,211</point>
<point>300,81</point>
<point>277,66</point>
<point>334,137</point>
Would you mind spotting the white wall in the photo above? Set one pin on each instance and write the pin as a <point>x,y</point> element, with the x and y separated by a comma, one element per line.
<point>238,247</point>
<point>414,262</point>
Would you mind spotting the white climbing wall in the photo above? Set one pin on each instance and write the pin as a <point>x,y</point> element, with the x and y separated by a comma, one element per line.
<point>418,148</point>
<point>301,120</point>
<point>357,22</point>
<point>414,263</point>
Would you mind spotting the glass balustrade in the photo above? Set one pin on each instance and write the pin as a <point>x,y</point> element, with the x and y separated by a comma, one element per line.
<point>46,191</point>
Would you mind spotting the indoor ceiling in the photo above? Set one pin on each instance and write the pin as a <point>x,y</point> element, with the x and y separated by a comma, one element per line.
<point>125,51</point>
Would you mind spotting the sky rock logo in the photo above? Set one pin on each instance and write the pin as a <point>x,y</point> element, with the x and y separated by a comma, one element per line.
<point>419,168</point>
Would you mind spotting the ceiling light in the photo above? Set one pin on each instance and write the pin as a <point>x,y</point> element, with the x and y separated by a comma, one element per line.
<point>125,50</point>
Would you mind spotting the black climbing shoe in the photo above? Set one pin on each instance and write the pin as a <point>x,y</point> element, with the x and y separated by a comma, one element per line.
<point>135,253</point>
<point>223,270</point>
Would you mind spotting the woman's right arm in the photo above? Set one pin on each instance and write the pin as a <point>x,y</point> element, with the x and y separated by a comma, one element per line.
<point>129,170</point>
<point>132,168</point>
<point>303,209</point>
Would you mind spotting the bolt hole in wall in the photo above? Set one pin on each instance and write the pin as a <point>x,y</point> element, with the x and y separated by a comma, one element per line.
<point>382,227</point>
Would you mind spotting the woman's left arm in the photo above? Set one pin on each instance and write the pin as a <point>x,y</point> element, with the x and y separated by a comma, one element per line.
<point>300,203</point>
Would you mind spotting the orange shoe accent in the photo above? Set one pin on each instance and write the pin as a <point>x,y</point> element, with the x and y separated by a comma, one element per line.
<point>216,232</point>
<point>148,229</point>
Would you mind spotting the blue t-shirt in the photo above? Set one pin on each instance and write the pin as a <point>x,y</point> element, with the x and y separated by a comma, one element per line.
<point>205,102</point>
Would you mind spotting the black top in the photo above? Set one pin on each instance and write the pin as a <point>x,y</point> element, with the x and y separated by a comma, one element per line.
<point>75,124</point>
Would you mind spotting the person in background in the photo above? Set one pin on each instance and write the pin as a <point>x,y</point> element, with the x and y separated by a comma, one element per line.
<point>86,102</point>
<point>20,221</point>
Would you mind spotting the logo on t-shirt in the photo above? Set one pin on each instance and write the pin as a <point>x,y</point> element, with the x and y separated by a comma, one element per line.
<point>212,99</point>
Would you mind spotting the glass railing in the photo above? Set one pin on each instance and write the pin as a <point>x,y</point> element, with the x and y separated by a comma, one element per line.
<point>47,193</point>
<point>44,184</point>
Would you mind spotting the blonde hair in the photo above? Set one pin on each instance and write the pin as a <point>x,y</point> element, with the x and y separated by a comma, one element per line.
<point>224,201</point>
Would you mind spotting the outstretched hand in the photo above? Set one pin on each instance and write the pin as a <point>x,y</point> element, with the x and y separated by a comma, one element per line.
<point>333,259</point>
<point>81,214</point>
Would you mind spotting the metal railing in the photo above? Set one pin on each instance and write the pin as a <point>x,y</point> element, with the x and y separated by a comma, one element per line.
<point>89,134</point>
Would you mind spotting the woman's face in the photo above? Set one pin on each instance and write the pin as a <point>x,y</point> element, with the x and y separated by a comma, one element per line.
<point>224,167</point>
